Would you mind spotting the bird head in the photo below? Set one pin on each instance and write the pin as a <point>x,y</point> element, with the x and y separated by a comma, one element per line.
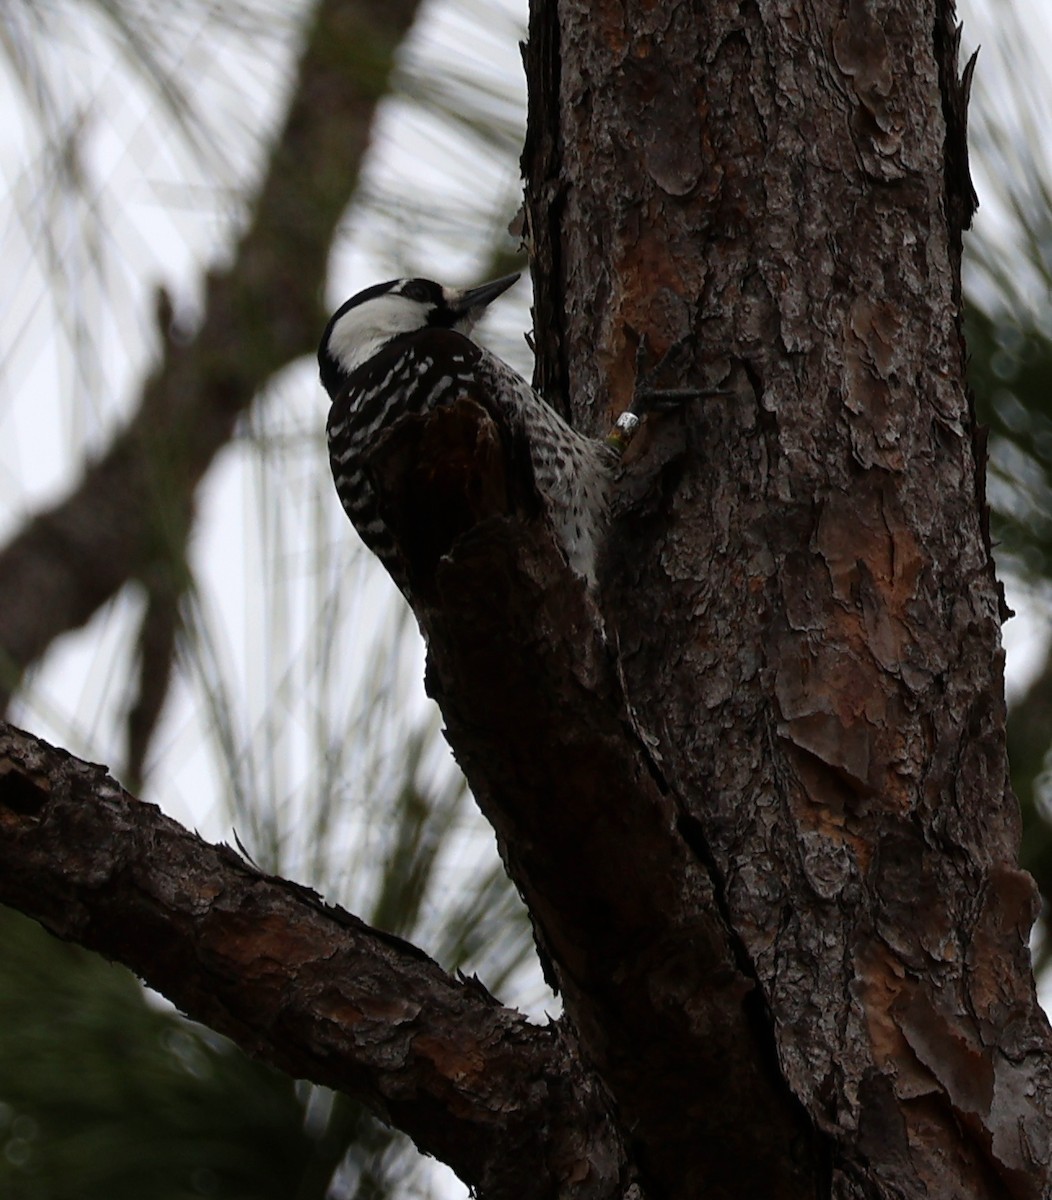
<point>368,321</point>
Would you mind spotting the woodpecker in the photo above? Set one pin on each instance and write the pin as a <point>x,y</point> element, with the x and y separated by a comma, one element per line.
<point>402,347</point>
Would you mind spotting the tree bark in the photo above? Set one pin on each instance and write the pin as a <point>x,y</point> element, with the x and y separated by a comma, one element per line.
<point>755,792</point>
<point>807,616</point>
<point>303,984</point>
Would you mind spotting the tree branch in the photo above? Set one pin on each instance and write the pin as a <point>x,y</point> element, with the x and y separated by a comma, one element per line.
<point>615,876</point>
<point>299,983</point>
<point>808,614</point>
<point>135,502</point>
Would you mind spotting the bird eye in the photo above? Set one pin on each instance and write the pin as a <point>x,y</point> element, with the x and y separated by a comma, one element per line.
<point>416,289</point>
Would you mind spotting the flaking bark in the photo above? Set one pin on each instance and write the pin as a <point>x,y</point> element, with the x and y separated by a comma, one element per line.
<point>302,984</point>
<point>755,792</point>
<point>624,913</point>
<point>807,613</point>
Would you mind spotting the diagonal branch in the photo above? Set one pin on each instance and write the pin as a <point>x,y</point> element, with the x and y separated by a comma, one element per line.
<point>133,505</point>
<point>617,876</point>
<point>299,983</point>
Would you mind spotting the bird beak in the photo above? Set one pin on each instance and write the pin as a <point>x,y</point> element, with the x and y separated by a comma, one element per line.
<point>471,301</point>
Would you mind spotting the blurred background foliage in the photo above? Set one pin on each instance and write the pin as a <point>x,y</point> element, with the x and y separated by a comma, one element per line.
<point>1008,286</point>
<point>290,710</point>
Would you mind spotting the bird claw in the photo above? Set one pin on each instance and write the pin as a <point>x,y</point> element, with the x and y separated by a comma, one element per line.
<point>653,400</point>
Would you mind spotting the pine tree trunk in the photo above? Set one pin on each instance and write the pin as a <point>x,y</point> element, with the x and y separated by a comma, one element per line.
<point>770,199</point>
<point>754,792</point>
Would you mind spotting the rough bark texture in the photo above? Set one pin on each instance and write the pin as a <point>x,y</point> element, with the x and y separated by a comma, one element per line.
<point>755,792</point>
<point>623,907</point>
<point>303,984</point>
<point>809,622</point>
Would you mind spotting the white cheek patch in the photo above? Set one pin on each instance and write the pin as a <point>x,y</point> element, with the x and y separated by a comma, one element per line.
<point>363,330</point>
